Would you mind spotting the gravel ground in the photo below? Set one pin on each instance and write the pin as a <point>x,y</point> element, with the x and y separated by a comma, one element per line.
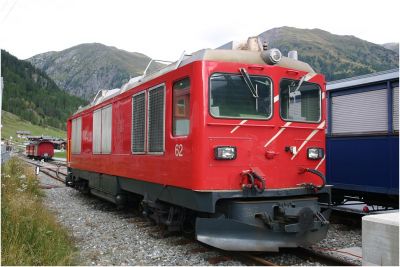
<point>106,236</point>
<point>341,236</point>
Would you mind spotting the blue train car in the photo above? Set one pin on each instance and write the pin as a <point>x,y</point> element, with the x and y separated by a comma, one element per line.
<point>363,138</point>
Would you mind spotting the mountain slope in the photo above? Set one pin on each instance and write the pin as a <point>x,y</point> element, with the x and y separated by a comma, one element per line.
<point>33,96</point>
<point>392,46</point>
<point>84,69</point>
<point>333,55</point>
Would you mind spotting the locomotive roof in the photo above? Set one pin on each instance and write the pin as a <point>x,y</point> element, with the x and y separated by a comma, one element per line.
<point>36,142</point>
<point>237,56</point>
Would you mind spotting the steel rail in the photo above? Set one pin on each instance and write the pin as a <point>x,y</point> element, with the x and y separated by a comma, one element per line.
<point>259,260</point>
<point>46,170</point>
<point>322,257</point>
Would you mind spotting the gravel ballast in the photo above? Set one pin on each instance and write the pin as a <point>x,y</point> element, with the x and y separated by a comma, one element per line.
<point>107,236</point>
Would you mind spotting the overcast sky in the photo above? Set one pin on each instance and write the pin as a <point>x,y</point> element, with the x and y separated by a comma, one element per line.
<point>163,29</point>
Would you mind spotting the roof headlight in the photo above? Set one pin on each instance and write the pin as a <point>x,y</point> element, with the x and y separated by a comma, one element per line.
<point>225,152</point>
<point>271,56</point>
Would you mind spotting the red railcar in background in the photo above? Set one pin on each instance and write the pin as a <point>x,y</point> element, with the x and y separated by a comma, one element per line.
<point>41,149</point>
<point>230,142</point>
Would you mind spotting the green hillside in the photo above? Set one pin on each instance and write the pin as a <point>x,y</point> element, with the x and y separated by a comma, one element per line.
<point>85,69</point>
<point>33,96</point>
<point>12,123</point>
<point>335,56</point>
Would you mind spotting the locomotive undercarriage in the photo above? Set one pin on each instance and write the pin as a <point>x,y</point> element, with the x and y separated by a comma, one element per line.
<point>228,220</point>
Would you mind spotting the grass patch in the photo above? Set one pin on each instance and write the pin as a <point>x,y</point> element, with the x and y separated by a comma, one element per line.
<point>30,234</point>
<point>61,154</point>
<point>12,123</point>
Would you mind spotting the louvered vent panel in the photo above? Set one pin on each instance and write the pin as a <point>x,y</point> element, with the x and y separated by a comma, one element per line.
<point>97,131</point>
<point>73,136</point>
<point>138,123</point>
<point>156,120</point>
<point>396,108</point>
<point>76,135</point>
<point>106,123</point>
<point>363,112</point>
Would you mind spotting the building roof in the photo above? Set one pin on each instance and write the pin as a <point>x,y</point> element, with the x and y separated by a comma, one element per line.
<point>364,79</point>
<point>23,132</point>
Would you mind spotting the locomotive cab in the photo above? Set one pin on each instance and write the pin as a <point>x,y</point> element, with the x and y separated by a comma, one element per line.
<point>265,141</point>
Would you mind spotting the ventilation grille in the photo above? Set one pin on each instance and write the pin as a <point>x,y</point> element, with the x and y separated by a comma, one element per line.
<point>97,131</point>
<point>396,108</point>
<point>138,123</point>
<point>156,120</point>
<point>76,136</point>
<point>106,126</point>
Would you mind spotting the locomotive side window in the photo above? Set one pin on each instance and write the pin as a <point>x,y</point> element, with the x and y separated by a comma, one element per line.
<point>156,123</point>
<point>102,123</point>
<point>300,101</point>
<point>138,123</point>
<point>181,108</point>
<point>76,136</point>
<point>232,97</point>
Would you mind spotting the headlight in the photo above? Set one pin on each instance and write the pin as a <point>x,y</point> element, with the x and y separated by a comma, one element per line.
<point>225,152</point>
<point>315,153</point>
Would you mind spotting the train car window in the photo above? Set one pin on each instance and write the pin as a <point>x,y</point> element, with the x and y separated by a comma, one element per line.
<point>138,123</point>
<point>102,128</point>
<point>76,136</point>
<point>156,126</point>
<point>231,97</point>
<point>300,103</point>
<point>181,108</point>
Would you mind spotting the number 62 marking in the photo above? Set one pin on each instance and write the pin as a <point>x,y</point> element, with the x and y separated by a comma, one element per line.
<point>178,150</point>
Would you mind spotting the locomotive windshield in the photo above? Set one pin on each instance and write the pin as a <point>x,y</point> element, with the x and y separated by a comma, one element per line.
<point>231,97</point>
<point>300,101</point>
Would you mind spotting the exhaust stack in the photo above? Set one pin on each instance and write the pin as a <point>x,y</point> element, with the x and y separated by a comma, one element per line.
<point>293,54</point>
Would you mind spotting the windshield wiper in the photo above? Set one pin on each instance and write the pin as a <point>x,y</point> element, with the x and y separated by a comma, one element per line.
<point>300,83</point>
<point>248,82</point>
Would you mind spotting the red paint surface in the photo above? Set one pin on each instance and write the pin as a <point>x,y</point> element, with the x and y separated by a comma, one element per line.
<point>197,169</point>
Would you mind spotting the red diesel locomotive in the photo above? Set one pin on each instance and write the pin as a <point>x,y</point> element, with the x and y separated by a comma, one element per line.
<point>230,142</point>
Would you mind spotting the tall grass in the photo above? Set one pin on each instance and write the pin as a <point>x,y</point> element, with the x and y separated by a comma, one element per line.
<point>30,234</point>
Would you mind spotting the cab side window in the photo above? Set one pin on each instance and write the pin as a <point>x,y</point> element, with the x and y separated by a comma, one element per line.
<point>181,108</point>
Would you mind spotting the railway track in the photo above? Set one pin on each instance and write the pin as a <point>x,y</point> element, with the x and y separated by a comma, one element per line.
<point>305,255</point>
<point>52,169</point>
